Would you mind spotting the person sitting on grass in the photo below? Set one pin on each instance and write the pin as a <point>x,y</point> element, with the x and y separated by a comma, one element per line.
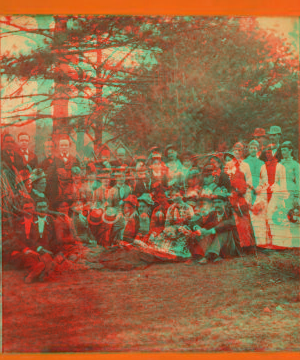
<point>144,211</point>
<point>106,226</point>
<point>33,240</point>
<point>131,217</point>
<point>215,235</point>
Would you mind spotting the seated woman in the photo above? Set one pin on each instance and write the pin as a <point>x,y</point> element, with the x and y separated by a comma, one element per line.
<point>131,217</point>
<point>172,241</point>
<point>144,211</point>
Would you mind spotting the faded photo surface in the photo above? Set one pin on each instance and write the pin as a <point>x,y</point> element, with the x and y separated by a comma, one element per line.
<point>149,183</point>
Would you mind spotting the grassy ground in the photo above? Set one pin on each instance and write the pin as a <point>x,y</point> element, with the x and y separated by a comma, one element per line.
<point>166,307</point>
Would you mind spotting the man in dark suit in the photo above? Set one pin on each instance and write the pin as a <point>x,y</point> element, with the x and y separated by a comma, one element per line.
<point>65,160</point>
<point>33,241</point>
<point>215,235</point>
<point>274,139</point>
<point>29,158</point>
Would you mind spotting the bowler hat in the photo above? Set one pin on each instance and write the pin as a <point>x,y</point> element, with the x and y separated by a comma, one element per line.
<point>131,199</point>
<point>208,170</point>
<point>287,144</point>
<point>169,147</point>
<point>275,130</point>
<point>95,217</point>
<point>259,132</point>
<point>146,198</point>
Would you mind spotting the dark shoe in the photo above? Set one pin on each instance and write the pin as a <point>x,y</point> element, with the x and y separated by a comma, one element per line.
<point>35,273</point>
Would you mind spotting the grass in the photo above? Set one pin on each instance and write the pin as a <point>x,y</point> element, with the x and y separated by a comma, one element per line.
<point>166,307</point>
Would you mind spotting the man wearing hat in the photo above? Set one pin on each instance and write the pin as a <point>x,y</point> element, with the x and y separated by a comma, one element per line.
<point>175,174</point>
<point>215,236</point>
<point>142,182</point>
<point>209,184</point>
<point>158,169</point>
<point>120,191</point>
<point>145,211</point>
<point>274,140</point>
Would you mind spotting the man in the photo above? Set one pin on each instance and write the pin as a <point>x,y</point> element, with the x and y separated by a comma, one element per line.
<point>215,236</point>
<point>208,180</point>
<point>258,218</point>
<point>34,241</point>
<point>12,162</point>
<point>29,158</point>
<point>65,160</point>
<point>274,139</point>
<point>143,181</point>
<point>120,191</point>
<point>260,136</point>
<point>175,174</point>
<point>47,163</point>
<point>121,159</point>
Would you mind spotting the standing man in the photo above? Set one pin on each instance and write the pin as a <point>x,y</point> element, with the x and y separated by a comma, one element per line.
<point>65,159</point>
<point>274,139</point>
<point>48,161</point>
<point>29,158</point>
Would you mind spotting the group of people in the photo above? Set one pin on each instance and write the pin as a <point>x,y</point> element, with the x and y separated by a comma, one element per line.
<point>164,206</point>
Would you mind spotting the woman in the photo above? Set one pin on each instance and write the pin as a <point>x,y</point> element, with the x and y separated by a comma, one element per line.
<point>144,211</point>
<point>239,203</point>
<point>131,217</point>
<point>158,170</point>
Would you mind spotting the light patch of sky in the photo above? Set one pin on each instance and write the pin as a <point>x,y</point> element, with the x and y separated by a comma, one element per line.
<point>286,27</point>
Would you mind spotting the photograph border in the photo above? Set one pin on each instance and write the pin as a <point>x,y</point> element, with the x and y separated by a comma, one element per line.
<point>155,7</point>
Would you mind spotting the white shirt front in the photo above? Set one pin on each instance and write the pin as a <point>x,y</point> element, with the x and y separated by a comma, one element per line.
<point>41,223</point>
